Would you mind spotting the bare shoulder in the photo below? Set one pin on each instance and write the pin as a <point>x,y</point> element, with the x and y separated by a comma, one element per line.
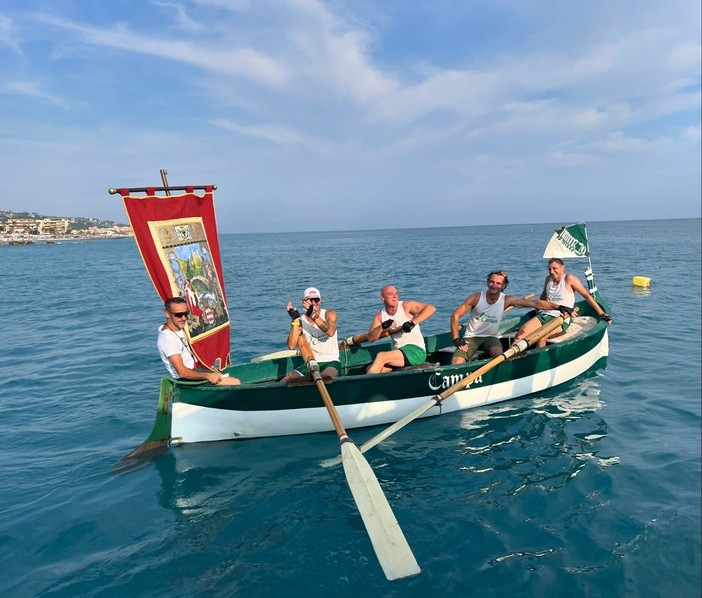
<point>573,280</point>
<point>412,306</point>
<point>470,301</point>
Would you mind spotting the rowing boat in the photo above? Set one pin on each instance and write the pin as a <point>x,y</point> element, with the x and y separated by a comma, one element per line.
<point>262,406</point>
<point>178,241</point>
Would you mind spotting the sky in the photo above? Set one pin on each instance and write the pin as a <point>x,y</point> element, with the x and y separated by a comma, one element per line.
<point>355,114</point>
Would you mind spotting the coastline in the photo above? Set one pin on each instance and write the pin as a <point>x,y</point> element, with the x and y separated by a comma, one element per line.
<point>55,239</point>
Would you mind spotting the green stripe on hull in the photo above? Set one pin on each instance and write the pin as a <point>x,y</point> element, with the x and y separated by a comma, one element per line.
<point>380,387</point>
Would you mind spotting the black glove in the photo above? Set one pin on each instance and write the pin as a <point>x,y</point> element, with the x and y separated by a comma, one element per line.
<point>457,342</point>
<point>533,313</point>
<point>294,314</point>
<point>408,325</point>
<point>606,318</point>
<point>310,309</point>
<point>564,309</point>
<point>385,325</point>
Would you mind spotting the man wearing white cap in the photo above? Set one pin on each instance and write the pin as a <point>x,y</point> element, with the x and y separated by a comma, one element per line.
<point>319,328</point>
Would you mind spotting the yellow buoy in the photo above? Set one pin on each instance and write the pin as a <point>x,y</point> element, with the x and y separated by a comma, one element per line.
<point>641,281</point>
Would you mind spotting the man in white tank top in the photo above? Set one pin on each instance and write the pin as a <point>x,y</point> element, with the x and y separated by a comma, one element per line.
<point>485,309</point>
<point>319,328</point>
<point>560,288</point>
<point>408,344</point>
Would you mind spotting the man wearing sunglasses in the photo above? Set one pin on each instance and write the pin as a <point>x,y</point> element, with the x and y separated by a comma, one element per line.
<point>319,328</point>
<point>485,309</point>
<point>175,350</point>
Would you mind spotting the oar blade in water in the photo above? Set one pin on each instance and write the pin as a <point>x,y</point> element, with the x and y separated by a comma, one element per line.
<point>391,547</point>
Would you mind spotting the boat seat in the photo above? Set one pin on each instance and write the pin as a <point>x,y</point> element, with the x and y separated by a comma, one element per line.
<point>578,325</point>
<point>307,381</point>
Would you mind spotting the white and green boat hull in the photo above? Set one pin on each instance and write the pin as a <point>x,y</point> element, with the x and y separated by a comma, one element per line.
<point>262,407</point>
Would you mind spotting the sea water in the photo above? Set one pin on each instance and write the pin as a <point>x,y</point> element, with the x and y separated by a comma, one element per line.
<point>589,489</point>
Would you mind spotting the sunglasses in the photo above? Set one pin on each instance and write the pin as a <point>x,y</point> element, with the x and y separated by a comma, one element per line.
<point>313,299</point>
<point>180,314</point>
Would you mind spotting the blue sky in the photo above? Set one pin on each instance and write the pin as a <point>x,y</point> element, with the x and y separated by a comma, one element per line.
<point>355,114</point>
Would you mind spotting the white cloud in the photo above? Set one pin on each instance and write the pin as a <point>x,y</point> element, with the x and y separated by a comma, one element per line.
<point>563,159</point>
<point>9,36</point>
<point>179,15</point>
<point>33,90</point>
<point>244,62</point>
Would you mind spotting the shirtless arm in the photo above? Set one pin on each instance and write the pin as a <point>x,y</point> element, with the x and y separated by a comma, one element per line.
<point>295,329</point>
<point>512,301</point>
<point>578,286</point>
<point>376,328</point>
<point>461,311</point>
<point>419,311</point>
<point>328,323</point>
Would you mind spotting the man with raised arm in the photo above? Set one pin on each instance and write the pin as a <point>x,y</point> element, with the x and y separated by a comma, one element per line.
<point>319,328</point>
<point>486,309</point>
<point>408,346</point>
<point>559,287</point>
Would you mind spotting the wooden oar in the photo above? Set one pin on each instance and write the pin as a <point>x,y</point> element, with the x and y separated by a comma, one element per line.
<point>391,548</point>
<point>353,341</point>
<point>518,347</point>
<point>158,441</point>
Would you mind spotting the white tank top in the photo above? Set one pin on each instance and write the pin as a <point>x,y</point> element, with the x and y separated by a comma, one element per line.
<point>485,318</point>
<point>414,337</point>
<point>324,347</point>
<point>558,293</point>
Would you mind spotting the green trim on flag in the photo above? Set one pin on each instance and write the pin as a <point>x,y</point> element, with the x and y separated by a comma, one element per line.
<point>568,241</point>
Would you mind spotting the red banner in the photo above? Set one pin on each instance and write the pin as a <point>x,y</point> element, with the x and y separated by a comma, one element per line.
<point>177,239</point>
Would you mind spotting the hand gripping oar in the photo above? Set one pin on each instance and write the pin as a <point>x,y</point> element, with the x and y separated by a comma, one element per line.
<point>518,347</point>
<point>353,341</point>
<point>357,339</point>
<point>391,548</point>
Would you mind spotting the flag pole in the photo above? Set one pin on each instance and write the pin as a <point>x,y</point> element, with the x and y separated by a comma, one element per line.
<point>589,275</point>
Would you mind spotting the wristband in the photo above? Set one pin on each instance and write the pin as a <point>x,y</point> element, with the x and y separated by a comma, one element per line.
<point>295,322</point>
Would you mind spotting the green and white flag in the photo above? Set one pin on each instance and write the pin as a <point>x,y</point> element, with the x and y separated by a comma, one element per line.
<point>568,241</point>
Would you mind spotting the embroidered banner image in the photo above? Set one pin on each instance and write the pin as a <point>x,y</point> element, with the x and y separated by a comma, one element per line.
<point>185,254</point>
<point>177,239</point>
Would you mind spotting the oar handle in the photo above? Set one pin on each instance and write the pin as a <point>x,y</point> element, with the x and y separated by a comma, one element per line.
<point>514,349</point>
<point>529,296</point>
<point>353,341</point>
<point>313,367</point>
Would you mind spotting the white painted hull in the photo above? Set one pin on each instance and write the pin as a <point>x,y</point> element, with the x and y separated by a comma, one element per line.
<point>192,423</point>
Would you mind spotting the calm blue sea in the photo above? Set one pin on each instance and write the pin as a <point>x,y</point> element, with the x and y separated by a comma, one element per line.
<point>591,489</point>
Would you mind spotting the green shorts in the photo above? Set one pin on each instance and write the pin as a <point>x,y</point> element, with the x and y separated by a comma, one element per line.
<point>543,318</point>
<point>414,355</point>
<point>323,365</point>
<point>478,342</point>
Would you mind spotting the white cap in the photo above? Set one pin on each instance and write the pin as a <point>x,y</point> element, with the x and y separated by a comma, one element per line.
<point>311,292</point>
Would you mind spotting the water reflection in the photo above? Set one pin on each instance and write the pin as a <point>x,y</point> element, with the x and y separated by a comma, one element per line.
<point>640,291</point>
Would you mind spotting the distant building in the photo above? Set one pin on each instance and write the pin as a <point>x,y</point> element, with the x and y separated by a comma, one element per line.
<point>53,226</point>
<point>22,226</point>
